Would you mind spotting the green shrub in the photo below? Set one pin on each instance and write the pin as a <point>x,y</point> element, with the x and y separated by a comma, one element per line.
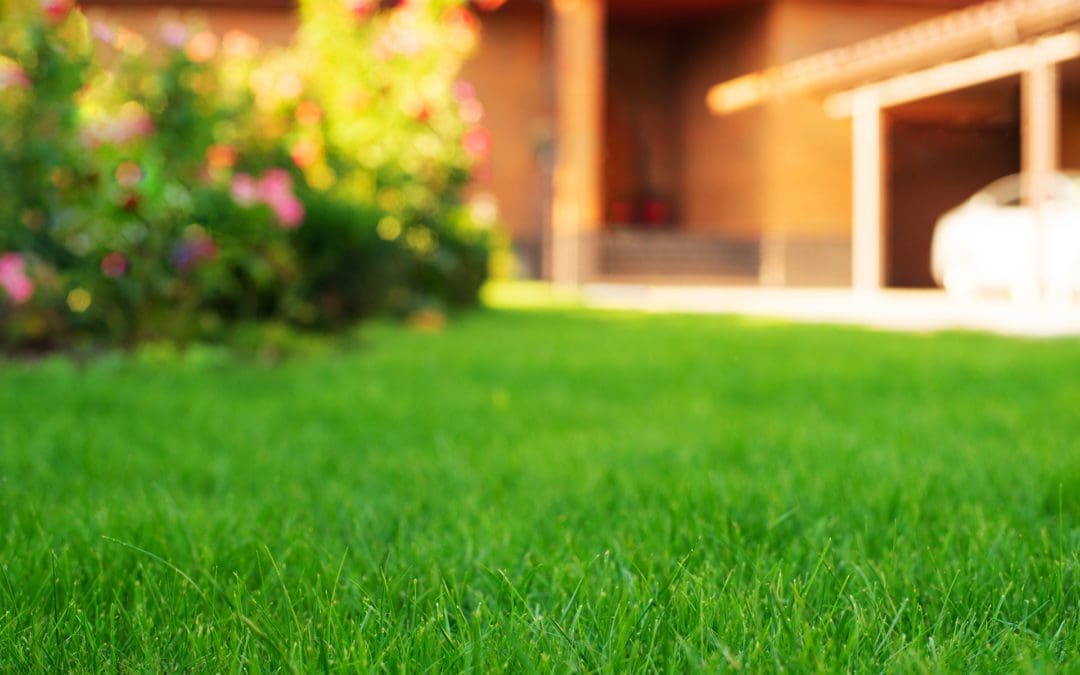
<point>168,192</point>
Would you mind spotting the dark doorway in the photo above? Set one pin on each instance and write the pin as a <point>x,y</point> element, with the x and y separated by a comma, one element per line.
<point>940,152</point>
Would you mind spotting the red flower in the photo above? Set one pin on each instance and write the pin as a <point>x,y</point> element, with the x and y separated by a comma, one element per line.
<point>114,265</point>
<point>57,10</point>
<point>362,9</point>
<point>244,190</point>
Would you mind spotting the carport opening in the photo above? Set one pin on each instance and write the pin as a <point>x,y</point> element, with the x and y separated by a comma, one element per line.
<point>940,151</point>
<point>1069,79</point>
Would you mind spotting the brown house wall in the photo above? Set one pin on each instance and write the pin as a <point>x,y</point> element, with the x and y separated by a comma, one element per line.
<point>723,189</point>
<point>1070,128</point>
<point>511,76</point>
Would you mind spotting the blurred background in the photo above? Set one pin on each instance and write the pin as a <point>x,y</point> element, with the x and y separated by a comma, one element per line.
<point>315,162</point>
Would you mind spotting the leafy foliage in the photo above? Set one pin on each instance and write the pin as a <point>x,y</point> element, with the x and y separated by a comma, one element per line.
<point>170,188</point>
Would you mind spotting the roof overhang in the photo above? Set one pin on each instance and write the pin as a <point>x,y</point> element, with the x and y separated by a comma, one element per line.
<point>962,48</point>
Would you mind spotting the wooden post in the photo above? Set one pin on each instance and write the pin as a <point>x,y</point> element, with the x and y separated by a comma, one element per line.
<point>1039,147</point>
<point>576,180</point>
<point>867,194</point>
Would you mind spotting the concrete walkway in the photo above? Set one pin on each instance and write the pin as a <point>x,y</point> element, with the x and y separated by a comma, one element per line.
<point>910,310</point>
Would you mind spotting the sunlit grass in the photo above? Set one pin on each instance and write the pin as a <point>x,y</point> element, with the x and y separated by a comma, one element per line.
<point>523,294</point>
<point>550,490</point>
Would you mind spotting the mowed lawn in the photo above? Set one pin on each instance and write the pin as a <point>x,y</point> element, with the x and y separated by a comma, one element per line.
<point>550,491</point>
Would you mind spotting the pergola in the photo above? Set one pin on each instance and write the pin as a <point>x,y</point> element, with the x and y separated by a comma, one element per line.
<point>960,49</point>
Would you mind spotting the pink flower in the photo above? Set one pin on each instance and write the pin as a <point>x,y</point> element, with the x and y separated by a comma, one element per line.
<point>464,90</point>
<point>244,190</point>
<point>130,122</point>
<point>12,76</point>
<point>472,111</point>
<point>477,142</point>
<point>275,183</point>
<point>288,210</point>
<point>13,278</point>
<point>275,190</point>
<point>103,32</point>
<point>174,34</point>
<point>402,36</point>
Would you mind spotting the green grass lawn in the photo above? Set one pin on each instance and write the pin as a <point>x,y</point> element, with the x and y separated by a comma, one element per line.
<point>550,490</point>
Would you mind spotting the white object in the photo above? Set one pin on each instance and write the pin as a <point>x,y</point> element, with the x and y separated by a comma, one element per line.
<point>994,243</point>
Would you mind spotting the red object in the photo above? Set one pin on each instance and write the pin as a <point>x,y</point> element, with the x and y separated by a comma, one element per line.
<point>621,212</point>
<point>656,212</point>
<point>114,265</point>
<point>57,10</point>
<point>362,9</point>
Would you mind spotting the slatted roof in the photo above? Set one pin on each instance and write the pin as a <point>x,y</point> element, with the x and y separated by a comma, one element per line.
<point>955,35</point>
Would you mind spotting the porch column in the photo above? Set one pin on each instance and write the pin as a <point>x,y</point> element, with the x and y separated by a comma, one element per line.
<point>1039,144</point>
<point>867,247</point>
<point>576,183</point>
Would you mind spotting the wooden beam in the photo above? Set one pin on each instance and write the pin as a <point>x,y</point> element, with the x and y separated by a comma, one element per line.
<point>981,27</point>
<point>867,246</point>
<point>1039,131</point>
<point>1039,148</point>
<point>992,65</point>
<point>576,181</point>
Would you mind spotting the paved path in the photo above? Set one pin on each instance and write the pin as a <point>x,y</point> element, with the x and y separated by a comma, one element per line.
<point>913,310</point>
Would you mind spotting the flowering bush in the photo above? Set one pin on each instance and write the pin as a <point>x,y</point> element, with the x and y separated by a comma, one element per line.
<point>172,187</point>
<point>397,134</point>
